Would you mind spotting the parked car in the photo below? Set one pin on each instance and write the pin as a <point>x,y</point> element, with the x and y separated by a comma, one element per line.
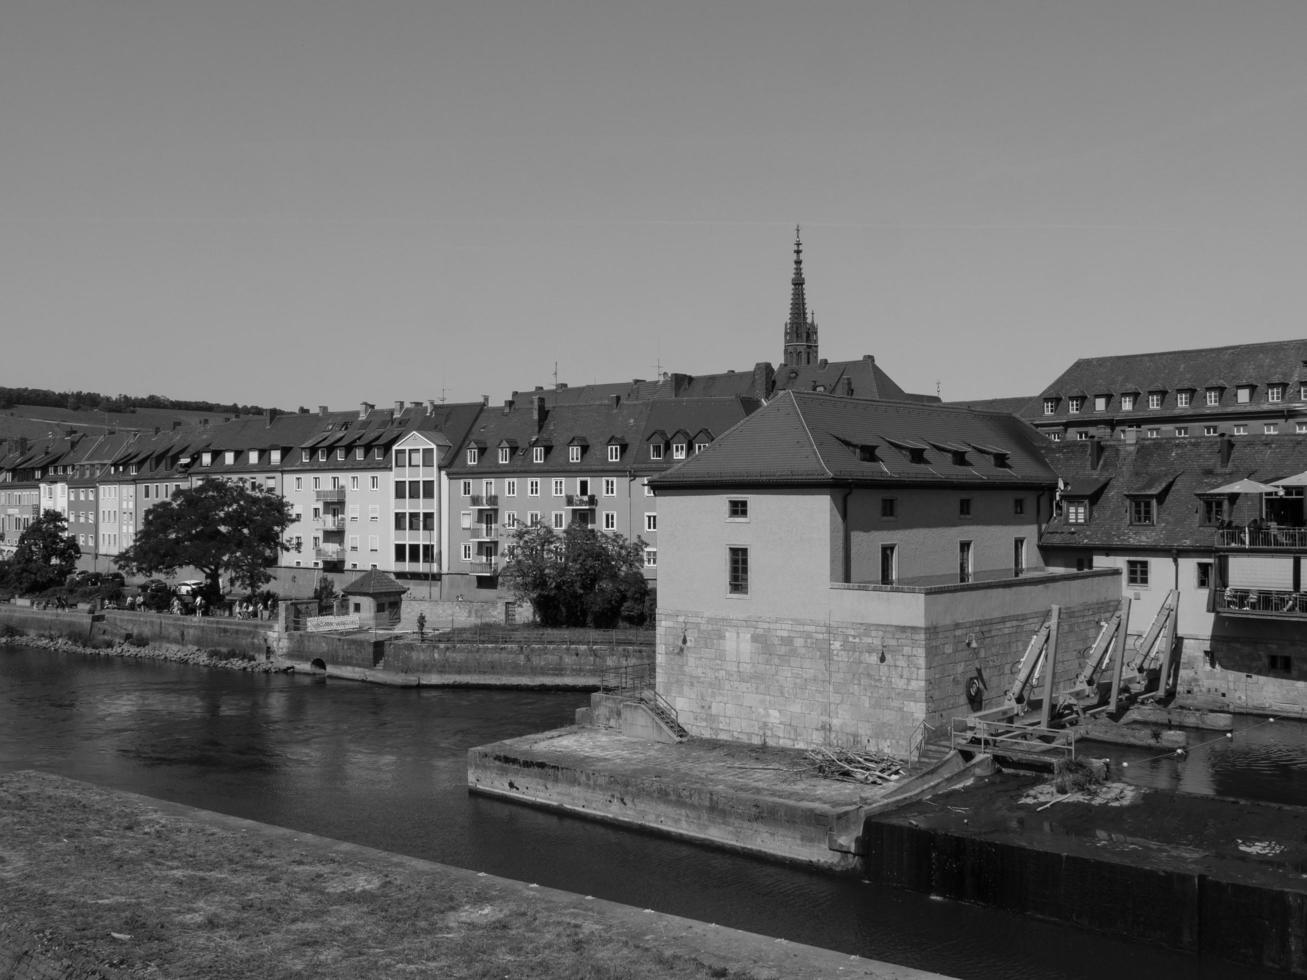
<point>190,587</point>
<point>115,578</point>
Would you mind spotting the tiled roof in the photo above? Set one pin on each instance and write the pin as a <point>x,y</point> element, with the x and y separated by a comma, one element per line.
<point>816,438</point>
<point>374,582</point>
<point>862,378</point>
<point>1166,372</point>
<point>1177,470</point>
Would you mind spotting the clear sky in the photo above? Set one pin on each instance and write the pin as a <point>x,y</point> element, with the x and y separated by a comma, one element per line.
<point>304,202</point>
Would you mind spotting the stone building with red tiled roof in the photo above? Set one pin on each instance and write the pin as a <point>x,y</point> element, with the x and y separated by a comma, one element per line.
<point>835,570</point>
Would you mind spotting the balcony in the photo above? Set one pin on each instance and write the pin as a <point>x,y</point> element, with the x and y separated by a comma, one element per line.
<point>485,501</point>
<point>1269,537</point>
<point>329,522</point>
<point>335,494</point>
<point>1261,603</point>
<point>486,566</point>
<point>580,501</point>
<point>484,532</point>
<point>329,553</point>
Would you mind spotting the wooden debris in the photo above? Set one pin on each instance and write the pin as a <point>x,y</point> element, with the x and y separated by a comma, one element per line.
<point>855,767</point>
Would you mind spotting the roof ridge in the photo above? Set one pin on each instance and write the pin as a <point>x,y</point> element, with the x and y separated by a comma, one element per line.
<point>811,441</point>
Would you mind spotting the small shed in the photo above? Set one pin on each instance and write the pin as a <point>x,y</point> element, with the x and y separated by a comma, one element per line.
<point>375,598</point>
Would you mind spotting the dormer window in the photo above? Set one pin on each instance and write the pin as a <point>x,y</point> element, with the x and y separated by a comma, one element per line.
<point>340,453</point>
<point>229,457</point>
<point>655,450</point>
<point>473,454</point>
<point>274,457</point>
<point>1100,402</point>
<point>1127,403</point>
<point>1243,394</point>
<point>322,455</point>
<point>378,453</point>
<point>1213,396</point>
<point>574,454</point>
<point>1142,510</point>
<point>206,459</point>
<point>678,450</point>
<point>1275,393</point>
<point>505,454</point>
<point>614,453</point>
<point>537,454</point>
<point>360,452</point>
<point>1076,402</point>
<point>1155,400</point>
<point>1050,406</point>
<point>252,457</point>
<point>700,447</point>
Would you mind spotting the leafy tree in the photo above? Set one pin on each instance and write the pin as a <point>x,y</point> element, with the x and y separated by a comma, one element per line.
<point>582,577</point>
<point>45,556</point>
<point>218,528</point>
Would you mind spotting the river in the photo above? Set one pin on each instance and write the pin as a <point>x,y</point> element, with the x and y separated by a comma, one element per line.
<point>386,767</point>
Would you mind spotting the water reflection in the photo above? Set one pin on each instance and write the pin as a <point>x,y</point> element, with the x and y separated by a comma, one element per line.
<point>387,768</point>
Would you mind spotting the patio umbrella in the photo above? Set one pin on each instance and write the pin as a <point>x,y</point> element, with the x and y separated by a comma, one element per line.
<point>1297,480</point>
<point>1246,486</point>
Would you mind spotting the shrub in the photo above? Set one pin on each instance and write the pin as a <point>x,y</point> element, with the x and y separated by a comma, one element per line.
<point>1077,775</point>
<point>136,640</point>
<point>9,631</point>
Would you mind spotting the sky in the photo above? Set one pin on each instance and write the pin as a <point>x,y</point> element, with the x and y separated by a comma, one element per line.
<point>322,202</point>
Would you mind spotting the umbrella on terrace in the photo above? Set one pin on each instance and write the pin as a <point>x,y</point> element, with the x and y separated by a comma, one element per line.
<point>1297,480</point>
<point>1246,486</point>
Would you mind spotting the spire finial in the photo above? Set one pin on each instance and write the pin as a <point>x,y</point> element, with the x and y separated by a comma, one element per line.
<point>801,328</point>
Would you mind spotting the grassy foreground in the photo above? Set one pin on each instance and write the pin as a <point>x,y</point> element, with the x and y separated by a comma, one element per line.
<point>113,885</point>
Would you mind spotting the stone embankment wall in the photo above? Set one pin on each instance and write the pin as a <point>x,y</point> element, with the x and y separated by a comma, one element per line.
<point>113,624</point>
<point>517,664</point>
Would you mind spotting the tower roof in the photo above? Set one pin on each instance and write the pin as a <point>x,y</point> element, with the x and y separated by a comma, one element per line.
<point>801,328</point>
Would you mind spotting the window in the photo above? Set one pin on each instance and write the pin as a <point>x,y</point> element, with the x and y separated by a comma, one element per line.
<point>206,459</point>
<point>1018,556</point>
<point>610,520</point>
<point>252,457</point>
<point>379,453</point>
<point>610,487</point>
<point>964,507</point>
<point>560,520</point>
<point>1153,432</point>
<point>889,507</point>
<point>1270,428</point>
<point>322,455</point>
<point>1183,398</point>
<point>510,518</point>
<point>651,522</point>
<point>655,450</point>
<point>558,487</point>
<point>737,510</point>
<point>1213,510</point>
<point>1243,394</point>
<point>1100,402</point>
<point>299,483</point>
<point>374,483</point>
<point>466,488</point>
<point>317,483</point>
<point>537,454</point>
<point>467,551</point>
<point>1074,404</point>
<point>1050,406</point>
<point>505,454</point>
<point>374,512</point>
<point>650,557</point>
<point>648,490</point>
<point>510,488</point>
<point>473,454</point>
<point>1300,428</point>
<point>1136,573</point>
<point>1241,429</point>
<point>678,450</point>
<point>533,518</point>
<point>1084,434</point>
<point>1275,393</point>
<point>1182,432</point>
<point>1055,436</point>
<point>574,454</point>
<point>353,512</point>
<point>1154,399</point>
<point>964,561</point>
<point>533,488</point>
<point>229,457</point>
<point>340,453</point>
<point>353,482</point>
<point>1213,396</point>
<point>1077,511</point>
<point>737,571</point>
<point>700,447</point>
<point>353,542</point>
<point>1279,663</point>
<point>614,454</point>
<point>1019,506</point>
<point>1209,430</point>
<point>889,564</point>
<point>1141,510</point>
<point>1203,574</point>
<point>1127,403</point>
<point>374,542</point>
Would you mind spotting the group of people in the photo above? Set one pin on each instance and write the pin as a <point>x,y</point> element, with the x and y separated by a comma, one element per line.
<point>249,609</point>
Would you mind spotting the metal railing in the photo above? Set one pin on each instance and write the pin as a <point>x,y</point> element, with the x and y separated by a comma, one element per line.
<point>1270,538</point>
<point>628,678</point>
<point>483,532</point>
<point>1262,602</point>
<point>335,493</point>
<point>330,523</point>
<point>585,501</point>
<point>486,500</point>
<point>919,739</point>
<point>1018,741</point>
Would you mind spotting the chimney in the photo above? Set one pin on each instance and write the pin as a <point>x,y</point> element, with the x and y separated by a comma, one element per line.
<point>614,401</point>
<point>1095,451</point>
<point>868,357</point>
<point>269,415</point>
<point>322,409</point>
<point>822,362</point>
<point>508,405</point>
<point>415,405</point>
<point>485,400</point>
<point>365,409</point>
<point>846,386</point>
<point>399,407</point>
<point>1226,447</point>
<point>561,386</point>
<point>431,406</point>
<point>538,410</point>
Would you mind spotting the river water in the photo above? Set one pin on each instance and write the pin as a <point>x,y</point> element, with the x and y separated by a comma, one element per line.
<point>386,767</point>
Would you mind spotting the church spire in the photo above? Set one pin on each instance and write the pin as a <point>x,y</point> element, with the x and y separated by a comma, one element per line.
<point>801,328</point>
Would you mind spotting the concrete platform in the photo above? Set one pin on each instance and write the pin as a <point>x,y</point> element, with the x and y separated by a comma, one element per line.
<point>749,798</point>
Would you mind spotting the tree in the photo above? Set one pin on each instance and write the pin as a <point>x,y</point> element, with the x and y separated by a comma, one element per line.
<point>216,527</point>
<point>45,556</point>
<point>582,577</point>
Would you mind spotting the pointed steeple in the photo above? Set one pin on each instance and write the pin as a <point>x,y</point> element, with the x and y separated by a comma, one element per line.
<point>801,328</point>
